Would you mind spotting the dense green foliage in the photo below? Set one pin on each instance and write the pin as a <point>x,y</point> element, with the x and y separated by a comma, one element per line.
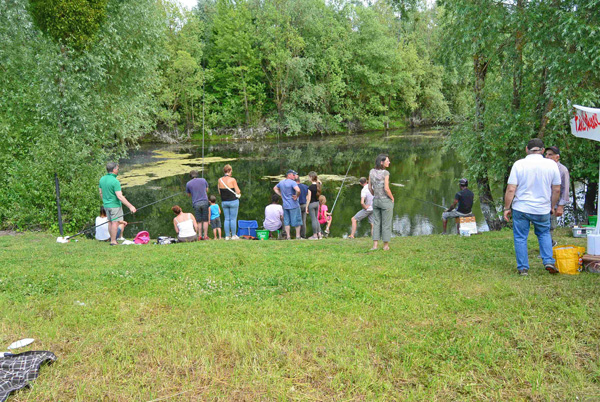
<point>67,111</point>
<point>82,80</point>
<point>526,62</point>
<point>181,322</point>
<point>302,67</point>
<point>70,22</point>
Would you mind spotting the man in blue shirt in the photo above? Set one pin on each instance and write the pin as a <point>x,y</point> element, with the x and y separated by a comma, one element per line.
<point>302,201</point>
<point>289,192</point>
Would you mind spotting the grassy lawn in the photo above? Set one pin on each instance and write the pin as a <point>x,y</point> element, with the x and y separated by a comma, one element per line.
<point>436,318</point>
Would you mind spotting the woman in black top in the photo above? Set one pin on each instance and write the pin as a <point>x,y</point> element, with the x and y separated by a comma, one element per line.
<point>312,205</point>
<point>230,194</point>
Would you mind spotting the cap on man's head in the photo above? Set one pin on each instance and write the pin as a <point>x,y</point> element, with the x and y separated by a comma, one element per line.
<point>463,182</point>
<point>291,171</point>
<point>553,149</point>
<point>535,144</point>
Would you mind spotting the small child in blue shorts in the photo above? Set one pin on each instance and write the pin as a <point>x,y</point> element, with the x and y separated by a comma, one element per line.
<point>215,216</point>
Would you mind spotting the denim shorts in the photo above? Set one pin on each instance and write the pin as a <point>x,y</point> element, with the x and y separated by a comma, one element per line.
<point>215,223</point>
<point>292,217</point>
<point>201,209</point>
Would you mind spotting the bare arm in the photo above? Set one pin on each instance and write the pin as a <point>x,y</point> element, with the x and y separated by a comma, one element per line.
<point>295,196</point>
<point>451,207</point>
<point>122,198</point>
<point>362,203</point>
<point>509,196</point>
<point>100,190</point>
<point>235,187</point>
<point>387,187</point>
<point>195,223</point>
<point>276,189</point>
<point>175,224</point>
<point>308,200</point>
<point>555,195</point>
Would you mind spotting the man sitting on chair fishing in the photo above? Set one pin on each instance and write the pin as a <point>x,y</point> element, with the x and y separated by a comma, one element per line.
<point>464,199</point>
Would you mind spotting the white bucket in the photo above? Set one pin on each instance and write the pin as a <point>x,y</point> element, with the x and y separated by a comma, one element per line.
<point>593,244</point>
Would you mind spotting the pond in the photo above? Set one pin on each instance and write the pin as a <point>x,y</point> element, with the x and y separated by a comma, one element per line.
<point>422,172</point>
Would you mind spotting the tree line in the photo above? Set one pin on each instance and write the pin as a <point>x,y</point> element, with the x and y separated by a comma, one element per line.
<point>81,82</point>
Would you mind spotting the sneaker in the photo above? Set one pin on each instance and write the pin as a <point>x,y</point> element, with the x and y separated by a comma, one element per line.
<point>554,243</point>
<point>551,268</point>
<point>523,272</point>
<point>206,238</point>
<point>121,238</point>
<point>313,237</point>
<point>227,238</point>
<point>234,237</point>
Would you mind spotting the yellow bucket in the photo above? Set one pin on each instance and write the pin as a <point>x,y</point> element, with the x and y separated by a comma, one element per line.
<point>567,259</point>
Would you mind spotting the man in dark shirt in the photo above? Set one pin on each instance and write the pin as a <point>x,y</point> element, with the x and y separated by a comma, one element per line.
<point>302,201</point>
<point>464,199</point>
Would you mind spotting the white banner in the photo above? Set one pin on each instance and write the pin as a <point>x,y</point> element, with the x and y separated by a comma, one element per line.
<point>586,123</point>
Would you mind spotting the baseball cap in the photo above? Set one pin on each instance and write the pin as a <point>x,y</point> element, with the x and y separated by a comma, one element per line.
<point>291,171</point>
<point>535,144</point>
<point>463,182</point>
<point>554,149</point>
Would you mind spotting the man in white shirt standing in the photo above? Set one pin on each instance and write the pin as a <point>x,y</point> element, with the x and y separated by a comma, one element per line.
<point>533,189</point>
<point>366,201</point>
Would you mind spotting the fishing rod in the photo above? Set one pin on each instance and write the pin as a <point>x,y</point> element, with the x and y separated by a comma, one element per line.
<point>342,186</point>
<point>429,202</point>
<point>66,239</point>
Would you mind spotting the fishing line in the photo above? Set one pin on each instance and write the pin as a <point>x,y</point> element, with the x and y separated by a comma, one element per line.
<point>342,186</point>
<point>429,202</point>
<point>124,215</point>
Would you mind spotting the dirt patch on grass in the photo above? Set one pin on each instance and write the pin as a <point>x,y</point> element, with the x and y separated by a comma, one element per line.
<point>9,233</point>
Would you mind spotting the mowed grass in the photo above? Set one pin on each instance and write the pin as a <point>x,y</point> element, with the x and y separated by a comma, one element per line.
<point>436,318</point>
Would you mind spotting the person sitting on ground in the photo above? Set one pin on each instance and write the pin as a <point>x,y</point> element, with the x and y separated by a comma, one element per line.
<point>324,216</point>
<point>215,217</point>
<point>273,215</point>
<point>464,199</point>
<point>102,227</point>
<point>185,224</point>
<point>366,201</point>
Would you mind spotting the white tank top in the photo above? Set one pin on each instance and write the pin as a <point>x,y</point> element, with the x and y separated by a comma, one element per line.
<point>186,228</point>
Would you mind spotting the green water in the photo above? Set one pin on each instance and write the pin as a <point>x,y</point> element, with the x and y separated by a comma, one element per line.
<point>420,167</point>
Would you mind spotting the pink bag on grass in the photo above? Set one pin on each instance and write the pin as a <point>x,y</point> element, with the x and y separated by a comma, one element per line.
<point>142,237</point>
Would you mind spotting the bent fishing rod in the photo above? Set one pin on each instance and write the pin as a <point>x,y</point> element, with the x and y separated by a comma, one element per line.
<point>124,215</point>
<point>342,186</point>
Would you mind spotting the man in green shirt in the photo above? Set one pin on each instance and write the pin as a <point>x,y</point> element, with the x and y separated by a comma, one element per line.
<point>112,197</point>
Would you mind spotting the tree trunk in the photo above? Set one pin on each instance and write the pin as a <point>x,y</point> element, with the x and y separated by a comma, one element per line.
<point>485,193</point>
<point>480,68</point>
<point>518,72</point>
<point>487,204</point>
<point>245,98</point>
<point>590,197</point>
